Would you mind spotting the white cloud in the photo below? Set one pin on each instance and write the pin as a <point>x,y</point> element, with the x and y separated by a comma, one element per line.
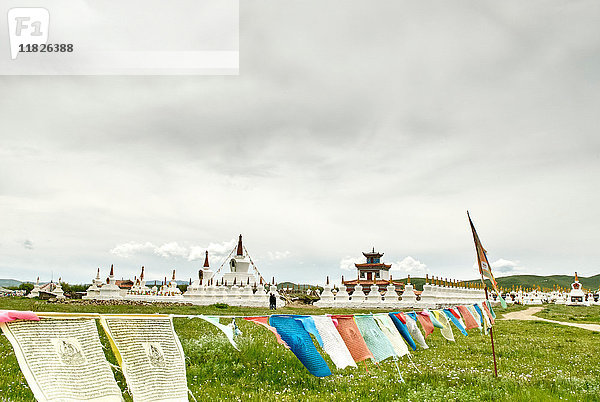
<point>216,251</point>
<point>171,164</point>
<point>347,263</point>
<point>171,249</point>
<point>132,248</point>
<point>278,255</point>
<point>409,265</point>
<point>503,266</point>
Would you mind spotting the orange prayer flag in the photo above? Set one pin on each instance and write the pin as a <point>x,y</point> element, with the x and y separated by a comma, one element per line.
<point>470,321</point>
<point>352,338</point>
<point>426,323</point>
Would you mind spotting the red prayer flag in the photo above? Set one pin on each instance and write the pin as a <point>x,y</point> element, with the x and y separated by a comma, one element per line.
<point>352,338</point>
<point>401,317</point>
<point>470,321</point>
<point>425,323</point>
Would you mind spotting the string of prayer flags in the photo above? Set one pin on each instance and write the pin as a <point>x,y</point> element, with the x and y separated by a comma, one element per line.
<point>333,344</point>
<point>447,328</point>
<point>376,341</point>
<point>469,320</point>
<point>436,323</point>
<point>415,332</point>
<point>352,338</point>
<point>452,317</point>
<point>150,355</point>
<point>226,329</point>
<point>309,325</point>
<point>425,322</point>
<point>456,313</point>
<point>62,359</point>
<point>264,321</point>
<point>400,323</point>
<point>475,315</point>
<point>484,319</point>
<point>490,310</point>
<point>389,329</point>
<point>485,315</point>
<point>298,339</point>
<point>412,315</point>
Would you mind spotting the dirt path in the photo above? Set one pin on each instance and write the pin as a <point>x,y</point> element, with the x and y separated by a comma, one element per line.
<point>529,315</point>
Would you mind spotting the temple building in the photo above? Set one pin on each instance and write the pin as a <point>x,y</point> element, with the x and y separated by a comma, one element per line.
<point>373,271</point>
<point>239,266</point>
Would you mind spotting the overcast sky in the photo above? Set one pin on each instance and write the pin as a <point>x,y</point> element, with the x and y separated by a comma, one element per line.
<point>352,125</point>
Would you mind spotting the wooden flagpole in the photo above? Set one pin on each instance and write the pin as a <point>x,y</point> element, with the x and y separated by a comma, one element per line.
<point>491,337</point>
<point>476,240</point>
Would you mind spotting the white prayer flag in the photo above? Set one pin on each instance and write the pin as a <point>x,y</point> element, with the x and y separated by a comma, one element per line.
<point>333,343</point>
<point>63,360</point>
<point>150,355</point>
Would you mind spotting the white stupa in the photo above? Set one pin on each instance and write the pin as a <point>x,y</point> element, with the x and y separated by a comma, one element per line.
<point>58,290</point>
<point>205,273</point>
<point>576,296</point>
<point>239,266</point>
<point>172,289</point>
<point>94,290</point>
<point>141,287</point>
<point>35,292</point>
<point>110,290</point>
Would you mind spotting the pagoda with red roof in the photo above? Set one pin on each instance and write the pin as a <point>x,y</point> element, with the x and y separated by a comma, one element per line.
<point>373,271</point>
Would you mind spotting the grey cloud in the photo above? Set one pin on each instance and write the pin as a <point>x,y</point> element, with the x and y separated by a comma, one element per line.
<point>381,123</point>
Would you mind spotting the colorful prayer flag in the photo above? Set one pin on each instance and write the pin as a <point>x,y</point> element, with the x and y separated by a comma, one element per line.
<point>485,268</point>
<point>469,320</point>
<point>352,338</point>
<point>333,343</point>
<point>301,344</point>
<point>375,339</point>
<point>400,323</point>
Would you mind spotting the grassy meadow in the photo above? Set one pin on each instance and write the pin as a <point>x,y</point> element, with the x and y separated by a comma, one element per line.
<point>579,314</point>
<point>537,361</point>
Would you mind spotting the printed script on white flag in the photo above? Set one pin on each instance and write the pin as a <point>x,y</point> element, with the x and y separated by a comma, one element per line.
<point>62,359</point>
<point>150,355</point>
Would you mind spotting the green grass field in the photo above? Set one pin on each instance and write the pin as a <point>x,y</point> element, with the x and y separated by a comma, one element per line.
<point>537,361</point>
<point>571,313</point>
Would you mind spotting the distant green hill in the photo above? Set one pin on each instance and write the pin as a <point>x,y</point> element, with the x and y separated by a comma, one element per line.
<point>565,281</point>
<point>9,282</point>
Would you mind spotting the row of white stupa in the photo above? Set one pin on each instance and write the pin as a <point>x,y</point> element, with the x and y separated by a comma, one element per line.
<point>433,296</point>
<point>238,287</point>
<point>249,294</point>
<point>54,289</point>
<point>575,297</point>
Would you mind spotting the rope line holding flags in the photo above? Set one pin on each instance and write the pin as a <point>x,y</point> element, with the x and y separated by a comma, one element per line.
<point>149,352</point>
<point>223,263</point>
<point>254,266</point>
